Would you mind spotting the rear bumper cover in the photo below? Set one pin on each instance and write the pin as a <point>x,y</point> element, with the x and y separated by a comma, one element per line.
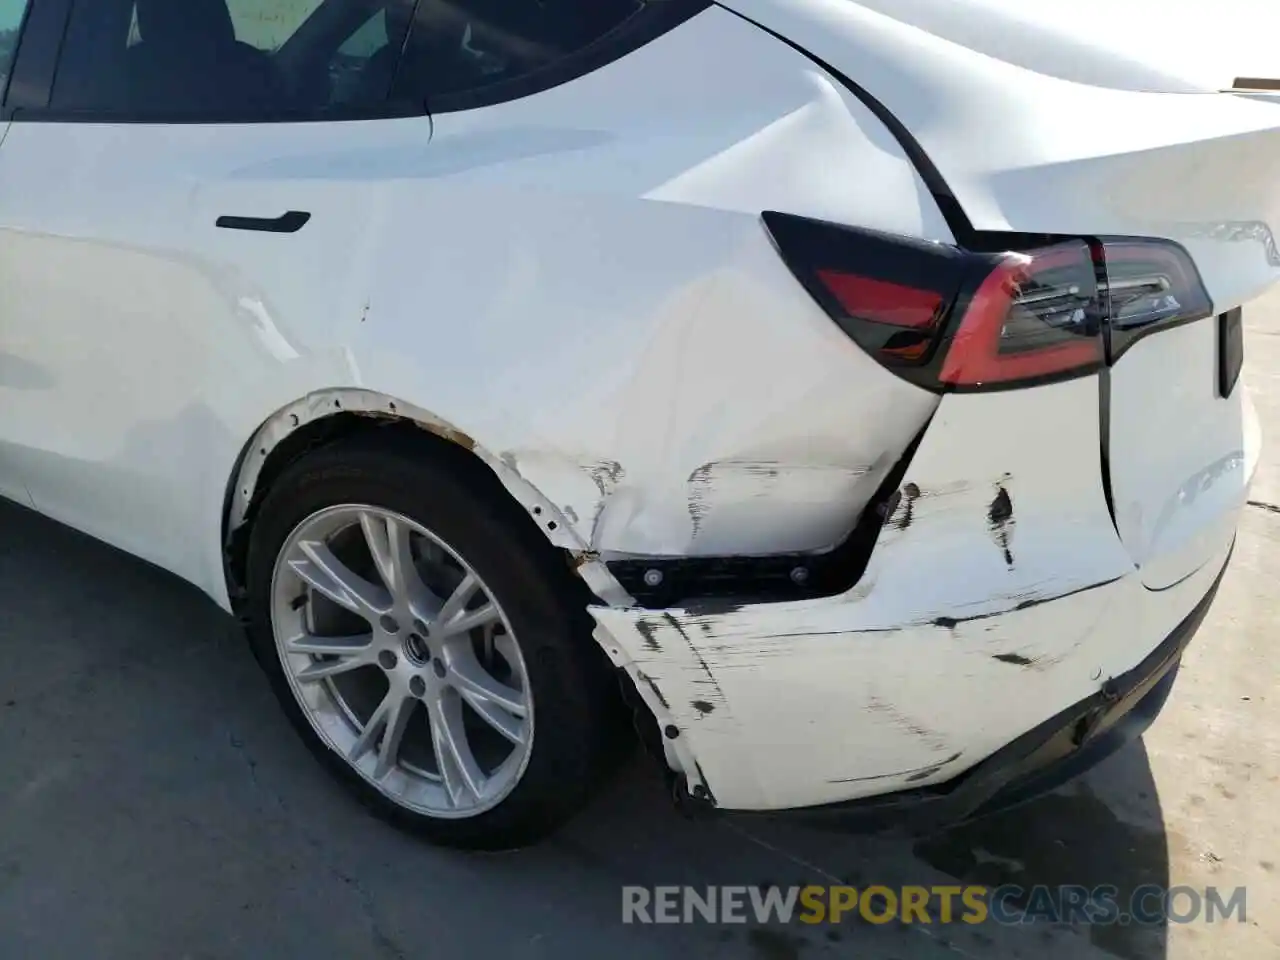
<point>1058,750</point>
<point>974,638</point>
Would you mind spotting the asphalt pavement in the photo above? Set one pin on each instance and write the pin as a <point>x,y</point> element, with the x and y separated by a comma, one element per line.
<point>155,804</point>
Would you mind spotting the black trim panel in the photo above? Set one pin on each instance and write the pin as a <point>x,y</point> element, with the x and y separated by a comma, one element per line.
<point>717,584</point>
<point>655,19</point>
<point>36,60</point>
<point>1230,350</point>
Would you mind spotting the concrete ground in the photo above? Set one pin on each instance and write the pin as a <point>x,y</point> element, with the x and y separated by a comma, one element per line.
<point>154,803</point>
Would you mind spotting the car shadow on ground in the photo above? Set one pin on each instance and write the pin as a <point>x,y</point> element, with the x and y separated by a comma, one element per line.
<point>154,802</point>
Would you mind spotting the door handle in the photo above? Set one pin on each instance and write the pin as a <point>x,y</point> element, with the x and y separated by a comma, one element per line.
<point>290,222</point>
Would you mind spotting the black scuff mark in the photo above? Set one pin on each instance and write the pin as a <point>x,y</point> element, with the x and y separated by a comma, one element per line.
<point>908,776</point>
<point>910,494</point>
<point>703,608</point>
<point>649,635</point>
<point>605,474</point>
<point>904,722</point>
<point>868,631</point>
<point>950,623</point>
<point>703,707</point>
<point>1016,659</point>
<point>1001,521</point>
<point>702,480</point>
<point>699,488</point>
<point>768,469</point>
<point>1036,601</point>
<point>652,685</point>
<point>706,670</point>
<point>1263,505</point>
<point>928,772</point>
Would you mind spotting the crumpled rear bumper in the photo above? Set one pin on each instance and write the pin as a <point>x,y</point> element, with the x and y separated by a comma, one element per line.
<point>1060,749</point>
<point>968,729</point>
<point>975,636</point>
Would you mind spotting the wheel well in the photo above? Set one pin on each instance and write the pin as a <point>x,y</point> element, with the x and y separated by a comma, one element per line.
<point>346,426</point>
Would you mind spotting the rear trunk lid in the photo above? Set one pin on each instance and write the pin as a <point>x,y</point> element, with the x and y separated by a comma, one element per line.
<point>1035,133</point>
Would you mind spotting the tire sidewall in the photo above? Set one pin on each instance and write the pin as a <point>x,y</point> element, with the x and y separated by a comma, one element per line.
<point>548,631</point>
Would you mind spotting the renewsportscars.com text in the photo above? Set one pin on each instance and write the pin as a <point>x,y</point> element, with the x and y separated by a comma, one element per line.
<point>971,904</point>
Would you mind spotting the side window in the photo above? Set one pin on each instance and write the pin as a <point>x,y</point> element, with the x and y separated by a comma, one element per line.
<point>11,14</point>
<point>352,67</point>
<point>464,53</point>
<point>262,25</point>
<point>228,60</point>
<point>267,24</point>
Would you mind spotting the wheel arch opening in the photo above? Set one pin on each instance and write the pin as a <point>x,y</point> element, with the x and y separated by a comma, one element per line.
<point>345,415</point>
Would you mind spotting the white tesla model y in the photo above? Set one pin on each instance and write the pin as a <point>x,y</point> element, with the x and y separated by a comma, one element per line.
<point>855,382</point>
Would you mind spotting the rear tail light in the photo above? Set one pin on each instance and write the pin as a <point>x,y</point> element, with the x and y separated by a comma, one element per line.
<point>949,319</point>
<point>1150,285</point>
<point>1033,317</point>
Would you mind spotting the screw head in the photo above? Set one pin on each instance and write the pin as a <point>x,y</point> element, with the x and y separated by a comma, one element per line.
<point>800,575</point>
<point>652,578</point>
<point>671,731</point>
<point>387,659</point>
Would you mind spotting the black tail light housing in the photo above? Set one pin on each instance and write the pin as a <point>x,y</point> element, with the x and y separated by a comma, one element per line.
<point>959,320</point>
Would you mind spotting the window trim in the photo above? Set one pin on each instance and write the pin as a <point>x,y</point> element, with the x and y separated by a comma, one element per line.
<point>36,58</point>
<point>40,59</point>
<point>35,69</point>
<point>656,18</point>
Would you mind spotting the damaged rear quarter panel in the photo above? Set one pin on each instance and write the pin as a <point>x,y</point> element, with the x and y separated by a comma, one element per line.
<point>637,350</point>
<point>998,594</point>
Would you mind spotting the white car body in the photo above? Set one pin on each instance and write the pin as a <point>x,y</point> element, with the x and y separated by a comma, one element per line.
<point>576,287</point>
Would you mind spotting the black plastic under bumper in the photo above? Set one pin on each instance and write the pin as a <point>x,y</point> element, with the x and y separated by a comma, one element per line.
<point>1042,759</point>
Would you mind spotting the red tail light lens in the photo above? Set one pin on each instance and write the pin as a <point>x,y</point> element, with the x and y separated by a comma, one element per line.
<point>1033,317</point>
<point>949,319</point>
<point>878,301</point>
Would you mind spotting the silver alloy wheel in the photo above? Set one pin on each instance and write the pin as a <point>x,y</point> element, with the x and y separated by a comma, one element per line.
<point>402,660</point>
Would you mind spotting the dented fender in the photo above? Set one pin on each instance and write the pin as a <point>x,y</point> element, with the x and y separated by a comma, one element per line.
<point>369,403</point>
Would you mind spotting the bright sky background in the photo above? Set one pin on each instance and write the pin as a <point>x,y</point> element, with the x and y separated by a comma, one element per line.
<point>1211,41</point>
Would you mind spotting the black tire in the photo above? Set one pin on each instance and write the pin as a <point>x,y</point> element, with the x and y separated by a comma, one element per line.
<point>573,693</point>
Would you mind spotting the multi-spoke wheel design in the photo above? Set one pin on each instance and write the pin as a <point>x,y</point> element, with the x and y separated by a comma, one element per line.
<point>402,659</point>
<point>413,623</point>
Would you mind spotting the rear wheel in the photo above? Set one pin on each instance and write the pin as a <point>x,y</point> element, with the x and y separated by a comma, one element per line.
<point>425,645</point>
